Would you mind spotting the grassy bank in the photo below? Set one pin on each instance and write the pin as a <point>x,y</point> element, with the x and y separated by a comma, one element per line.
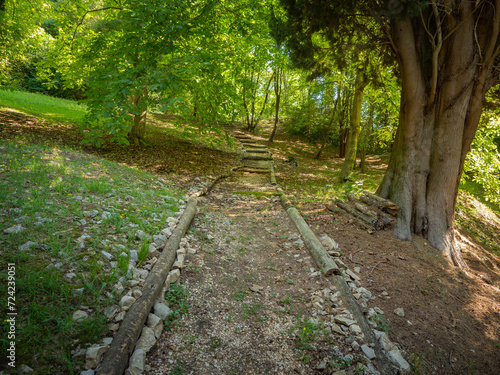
<point>70,208</point>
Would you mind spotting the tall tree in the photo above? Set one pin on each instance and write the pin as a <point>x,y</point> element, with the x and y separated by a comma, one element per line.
<point>447,53</point>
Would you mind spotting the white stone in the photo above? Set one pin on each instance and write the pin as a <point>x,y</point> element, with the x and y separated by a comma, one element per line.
<point>119,317</point>
<point>179,263</point>
<point>355,329</point>
<point>147,339</point>
<point>400,312</point>
<point>342,320</point>
<point>27,245</point>
<point>119,287</point>
<point>79,315</point>
<point>137,361</point>
<point>107,341</point>
<point>87,372</point>
<point>162,311</point>
<point>92,213</point>
<point>15,229</point>
<point>156,324</point>
<point>133,256</point>
<point>167,232</point>
<point>126,302</point>
<point>26,368</point>
<point>69,276</point>
<point>328,243</point>
<point>369,352</point>
<point>140,273</point>
<point>136,293</point>
<point>141,235</point>
<point>352,275</point>
<point>152,249</point>
<point>173,276</point>
<point>397,359</point>
<point>159,239</point>
<point>106,255</point>
<point>93,356</point>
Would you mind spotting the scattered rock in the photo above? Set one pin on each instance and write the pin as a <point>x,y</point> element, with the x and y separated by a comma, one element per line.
<point>120,316</point>
<point>106,255</point>
<point>256,288</point>
<point>355,329</point>
<point>400,312</point>
<point>69,276</point>
<point>143,236</point>
<point>78,292</point>
<point>134,256</point>
<point>179,263</point>
<point>126,302</point>
<point>26,246</point>
<point>369,352</point>
<point>91,214</point>
<point>15,229</point>
<point>152,249</point>
<point>137,361</point>
<point>79,315</point>
<point>342,320</point>
<point>173,276</point>
<point>162,311</point>
<point>93,356</point>
<point>140,273</point>
<point>87,372</point>
<point>397,359</point>
<point>352,275</point>
<point>159,239</point>
<point>167,232</point>
<point>110,311</point>
<point>136,293</point>
<point>24,368</point>
<point>107,341</point>
<point>156,324</point>
<point>147,340</point>
<point>328,243</point>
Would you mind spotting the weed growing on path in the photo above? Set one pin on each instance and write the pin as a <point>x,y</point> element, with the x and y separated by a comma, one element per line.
<point>176,298</point>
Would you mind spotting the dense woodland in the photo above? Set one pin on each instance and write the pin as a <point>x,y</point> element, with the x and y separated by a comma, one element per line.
<point>414,78</point>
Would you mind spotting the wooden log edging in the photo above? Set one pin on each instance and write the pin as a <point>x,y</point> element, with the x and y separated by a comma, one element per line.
<point>325,263</point>
<point>116,359</point>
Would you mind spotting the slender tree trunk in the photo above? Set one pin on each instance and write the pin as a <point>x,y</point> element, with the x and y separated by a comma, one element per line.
<point>277,92</point>
<point>434,137</point>
<point>365,138</point>
<point>344,129</point>
<point>354,125</point>
<point>136,134</point>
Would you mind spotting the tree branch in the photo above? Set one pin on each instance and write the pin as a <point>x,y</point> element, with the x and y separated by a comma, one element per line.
<point>83,19</point>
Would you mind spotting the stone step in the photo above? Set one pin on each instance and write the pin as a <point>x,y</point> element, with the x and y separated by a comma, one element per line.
<point>254,145</point>
<point>256,150</point>
<point>257,164</point>
<point>256,157</point>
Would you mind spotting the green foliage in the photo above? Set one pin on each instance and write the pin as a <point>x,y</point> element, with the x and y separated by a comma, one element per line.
<point>176,298</point>
<point>483,161</point>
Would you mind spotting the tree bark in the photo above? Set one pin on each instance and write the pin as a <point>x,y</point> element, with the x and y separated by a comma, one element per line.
<point>354,124</point>
<point>136,134</point>
<point>433,138</point>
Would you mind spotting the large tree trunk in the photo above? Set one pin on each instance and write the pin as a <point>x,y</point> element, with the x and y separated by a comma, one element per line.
<point>354,125</point>
<point>441,102</point>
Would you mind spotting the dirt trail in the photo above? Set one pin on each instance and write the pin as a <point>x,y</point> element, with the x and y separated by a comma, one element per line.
<point>251,287</point>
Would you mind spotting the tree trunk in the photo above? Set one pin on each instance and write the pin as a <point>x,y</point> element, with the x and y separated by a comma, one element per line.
<point>278,80</point>
<point>365,138</point>
<point>435,135</point>
<point>354,125</point>
<point>136,134</point>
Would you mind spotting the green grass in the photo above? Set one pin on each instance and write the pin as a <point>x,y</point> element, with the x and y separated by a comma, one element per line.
<point>47,107</point>
<point>176,299</point>
<point>52,192</point>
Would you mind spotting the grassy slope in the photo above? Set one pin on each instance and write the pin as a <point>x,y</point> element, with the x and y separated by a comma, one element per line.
<point>49,108</point>
<point>52,192</point>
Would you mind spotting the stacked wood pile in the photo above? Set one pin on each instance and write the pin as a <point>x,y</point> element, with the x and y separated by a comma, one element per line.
<point>378,213</point>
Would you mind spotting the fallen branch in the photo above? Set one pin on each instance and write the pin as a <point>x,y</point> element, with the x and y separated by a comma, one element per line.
<point>360,215</point>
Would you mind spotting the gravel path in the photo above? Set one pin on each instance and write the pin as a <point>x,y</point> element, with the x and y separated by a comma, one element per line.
<point>257,302</point>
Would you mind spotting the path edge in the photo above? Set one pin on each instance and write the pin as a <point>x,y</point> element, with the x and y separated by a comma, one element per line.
<point>116,359</point>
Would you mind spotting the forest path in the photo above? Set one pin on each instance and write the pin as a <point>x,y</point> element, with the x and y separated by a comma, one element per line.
<point>251,288</point>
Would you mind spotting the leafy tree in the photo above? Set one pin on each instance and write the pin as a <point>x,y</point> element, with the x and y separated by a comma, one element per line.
<point>447,53</point>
